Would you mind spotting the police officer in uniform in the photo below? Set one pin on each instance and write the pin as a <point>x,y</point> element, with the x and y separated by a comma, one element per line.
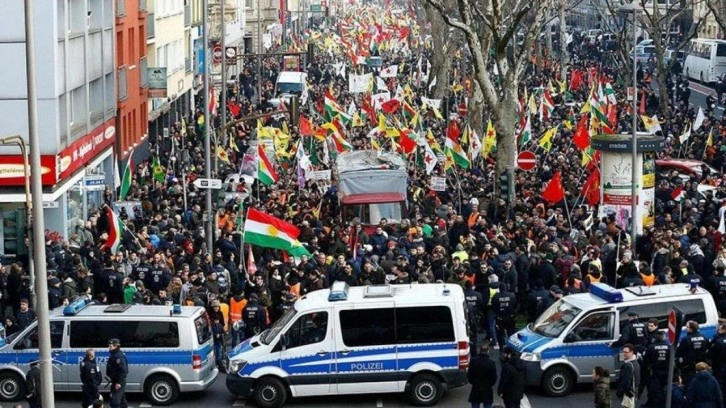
<point>718,290</point>
<point>288,303</point>
<point>717,354</point>
<point>632,333</point>
<point>90,378</point>
<point>691,350</point>
<point>474,312</point>
<point>504,305</point>
<point>655,361</point>
<point>117,370</point>
<point>32,386</point>
<point>537,299</point>
<point>253,316</point>
<point>142,270</point>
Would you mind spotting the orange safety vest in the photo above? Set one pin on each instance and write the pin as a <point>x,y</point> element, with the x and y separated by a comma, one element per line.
<point>594,279</point>
<point>649,280</point>
<point>224,308</point>
<point>470,278</point>
<point>577,284</point>
<point>295,289</point>
<point>473,217</point>
<point>235,309</point>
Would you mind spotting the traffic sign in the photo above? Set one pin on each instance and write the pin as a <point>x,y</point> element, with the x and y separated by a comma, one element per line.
<point>675,323</point>
<point>213,184</point>
<point>217,53</point>
<point>526,160</point>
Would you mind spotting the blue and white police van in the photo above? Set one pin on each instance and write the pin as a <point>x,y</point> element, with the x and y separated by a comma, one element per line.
<point>169,349</point>
<point>573,336</point>
<point>358,340</point>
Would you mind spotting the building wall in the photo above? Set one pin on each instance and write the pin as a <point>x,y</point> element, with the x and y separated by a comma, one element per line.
<point>131,61</point>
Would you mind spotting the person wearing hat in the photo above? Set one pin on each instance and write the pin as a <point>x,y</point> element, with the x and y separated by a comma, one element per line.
<point>511,378</point>
<point>634,332</point>
<point>90,378</point>
<point>253,316</point>
<point>654,370</point>
<point>54,293</point>
<point>117,369</point>
<point>32,386</point>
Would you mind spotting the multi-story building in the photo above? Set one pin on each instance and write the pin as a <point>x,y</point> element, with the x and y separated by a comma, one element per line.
<point>132,126</point>
<point>263,23</point>
<point>76,80</point>
<point>709,28</point>
<point>168,50</point>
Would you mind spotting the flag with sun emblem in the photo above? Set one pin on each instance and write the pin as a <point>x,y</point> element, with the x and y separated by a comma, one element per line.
<point>267,231</point>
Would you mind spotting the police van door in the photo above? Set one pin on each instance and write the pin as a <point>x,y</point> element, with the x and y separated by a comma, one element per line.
<point>366,354</point>
<point>589,343</point>
<point>307,355</point>
<point>27,351</point>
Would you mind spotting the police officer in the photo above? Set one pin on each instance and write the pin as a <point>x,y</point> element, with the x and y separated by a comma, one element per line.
<point>474,312</point>
<point>116,370</point>
<point>142,270</point>
<point>504,305</point>
<point>253,316</point>
<point>717,355</point>
<point>536,300</point>
<point>632,333</point>
<point>652,333</point>
<point>32,386</point>
<point>90,378</point>
<point>655,361</point>
<point>288,302</point>
<point>718,290</point>
<point>691,350</point>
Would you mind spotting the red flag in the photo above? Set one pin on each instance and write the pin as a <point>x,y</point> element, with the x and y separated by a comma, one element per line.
<point>581,138</point>
<point>391,106</point>
<point>554,192</point>
<point>306,128</point>
<point>576,80</point>
<point>453,131</point>
<point>407,144</point>
<point>641,108</point>
<point>370,112</point>
<point>591,188</point>
<point>234,109</point>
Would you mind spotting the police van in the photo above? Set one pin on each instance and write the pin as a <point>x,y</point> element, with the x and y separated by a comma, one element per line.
<point>573,336</point>
<point>358,340</point>
<point>169,349</point>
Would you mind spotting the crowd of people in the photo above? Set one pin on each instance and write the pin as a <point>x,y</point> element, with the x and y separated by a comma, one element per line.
<point>512,260</point>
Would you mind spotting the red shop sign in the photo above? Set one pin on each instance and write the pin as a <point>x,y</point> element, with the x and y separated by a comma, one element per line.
<point>83,150</point>
<point>12,171</point>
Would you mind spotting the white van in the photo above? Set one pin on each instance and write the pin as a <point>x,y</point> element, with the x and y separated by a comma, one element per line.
<point>573,336</point>
<point>359,340</point>
<point>169,349</point>
<point>290,83</point>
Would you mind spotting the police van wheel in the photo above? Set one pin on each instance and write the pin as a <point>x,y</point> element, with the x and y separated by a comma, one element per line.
<point>425,390</point>
<point>12,387</point>
<point>557,382</point>
<point>270,393</point>
<point>162,390</point>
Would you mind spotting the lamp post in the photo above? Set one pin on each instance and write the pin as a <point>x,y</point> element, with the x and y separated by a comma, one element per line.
<point>17,140</point>
<point>207,120</point>
<point>634,10</point>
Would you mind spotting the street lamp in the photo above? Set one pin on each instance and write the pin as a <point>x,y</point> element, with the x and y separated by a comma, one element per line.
<point>17,140</point>
<point>633,9</point>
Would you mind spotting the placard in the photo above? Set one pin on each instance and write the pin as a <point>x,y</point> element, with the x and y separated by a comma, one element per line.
<point>438,183</point>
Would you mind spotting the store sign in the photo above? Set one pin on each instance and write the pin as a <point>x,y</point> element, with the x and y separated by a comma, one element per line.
<point>95,182</point>
<point>12,170</point>
<point>157,82</point>
<point>80,152</point>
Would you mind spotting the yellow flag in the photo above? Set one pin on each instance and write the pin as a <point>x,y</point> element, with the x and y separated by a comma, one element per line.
<point>408,93</point>
<point>375,145</point>
<point>432,141</point>
<point>222,154</point>
<point>585,158</point>
<point>357,121</point>
<point>284,128</point>
<point>381,122</point>
<point>490,140</point>
<point>233,145</point>
<point>532,105</point>
<point>437,113</point>
<point>563,86</point>
<point>551,87</point>
<point>414,120</point>
<point>546,141</point>
<point>709,141</point>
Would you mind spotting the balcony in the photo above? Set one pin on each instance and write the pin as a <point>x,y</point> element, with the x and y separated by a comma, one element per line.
<point>187,16</point>
<point>123,87</point>
<point>142,5</point>
<point>187,65</point>
<point>150,27</point>
<point>120,8</point>
<point>143,72</point>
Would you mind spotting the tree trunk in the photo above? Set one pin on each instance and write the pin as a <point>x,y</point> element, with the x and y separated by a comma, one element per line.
<point>564,55</point>
<point>476,110</point>
<point>660,77</point>
<point>440,60</point>
<point>504,118</point>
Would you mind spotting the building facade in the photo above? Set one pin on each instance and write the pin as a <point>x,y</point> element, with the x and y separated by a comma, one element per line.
<point>76,80</point>
<point>132,64</point>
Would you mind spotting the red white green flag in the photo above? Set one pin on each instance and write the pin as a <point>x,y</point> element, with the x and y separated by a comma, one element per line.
<point>266,173</point>
<point>116,230</point>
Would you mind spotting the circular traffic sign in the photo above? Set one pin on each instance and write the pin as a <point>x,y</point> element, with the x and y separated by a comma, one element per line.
<point>231,52</point>
<point>672,326</point>
<point>217,53</point>
<point>526,160</point>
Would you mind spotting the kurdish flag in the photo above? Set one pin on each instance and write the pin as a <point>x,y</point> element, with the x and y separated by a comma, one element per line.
<point>453,149</point>
<point>269,232</point>
<point>333,109</point>
<point>127,176</point>
<point>116,229</point>
<point>266,173</point>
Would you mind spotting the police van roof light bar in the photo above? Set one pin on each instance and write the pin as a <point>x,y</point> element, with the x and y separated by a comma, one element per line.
<point>606,292</point>
<point>338,291</point>
<point>76,306</point>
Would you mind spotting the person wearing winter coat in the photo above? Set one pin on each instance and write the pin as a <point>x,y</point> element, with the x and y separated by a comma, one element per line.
<point>511,383</point>
<point>482,375</point>
<point>703,391</point>
<point>601,378</point>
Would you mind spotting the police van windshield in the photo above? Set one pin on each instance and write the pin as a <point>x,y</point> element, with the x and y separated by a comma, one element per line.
<point>555,319</point>
<point>269,334</point>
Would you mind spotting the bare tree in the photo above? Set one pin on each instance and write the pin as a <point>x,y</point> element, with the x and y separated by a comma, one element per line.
<point>445,43</point>
<point>718,8</point>
<point>490,29</point>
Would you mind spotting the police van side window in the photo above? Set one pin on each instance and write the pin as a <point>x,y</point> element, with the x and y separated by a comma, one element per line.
<point>30,340</point>
<point>367,327</point>
<point>692,309</point>
<point>431,324</point>
<point>597,326</point>
<point>308,329</point>
<point>133,334</point>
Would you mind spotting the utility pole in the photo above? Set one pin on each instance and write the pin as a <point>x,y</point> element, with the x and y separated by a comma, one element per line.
<point>36,187</point>
<point>259,53</point>
<point>207,120</point>
<point>223,90</point>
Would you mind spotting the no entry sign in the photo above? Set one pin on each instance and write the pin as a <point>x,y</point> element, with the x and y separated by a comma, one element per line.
<point>526,160</point>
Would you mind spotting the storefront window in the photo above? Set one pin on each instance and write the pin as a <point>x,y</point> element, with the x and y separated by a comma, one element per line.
<point>75,208</point>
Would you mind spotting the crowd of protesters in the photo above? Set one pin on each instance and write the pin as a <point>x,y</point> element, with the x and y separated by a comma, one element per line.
<point>513,261</point>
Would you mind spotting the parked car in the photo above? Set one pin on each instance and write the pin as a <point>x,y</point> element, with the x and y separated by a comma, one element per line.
<point>686,168</point>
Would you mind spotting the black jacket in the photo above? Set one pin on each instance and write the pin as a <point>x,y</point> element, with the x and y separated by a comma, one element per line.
<point>117,368</point>
<point>482,375</point>
<point>629,378</point>
<point>32,384</point>
<point>90,376</point>
<point>704,392</point>
<point>511,383</point>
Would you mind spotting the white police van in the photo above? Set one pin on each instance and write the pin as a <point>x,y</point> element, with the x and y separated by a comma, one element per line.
<point>169,349</point>
<point>573,336</point>
<point>359,340</point>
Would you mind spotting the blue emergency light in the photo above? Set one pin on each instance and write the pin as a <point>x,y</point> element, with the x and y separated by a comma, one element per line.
<point>338,291</point>
<point>606,292</point>
<point>76,306</point>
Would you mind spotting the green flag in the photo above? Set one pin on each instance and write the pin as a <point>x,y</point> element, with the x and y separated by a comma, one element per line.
<point>159,174</point>
<point>126,179</point>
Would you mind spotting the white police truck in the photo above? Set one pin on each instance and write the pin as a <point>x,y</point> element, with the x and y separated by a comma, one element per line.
<point>573,336</point>
<point>358,340</point>
<point>169,349</point>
